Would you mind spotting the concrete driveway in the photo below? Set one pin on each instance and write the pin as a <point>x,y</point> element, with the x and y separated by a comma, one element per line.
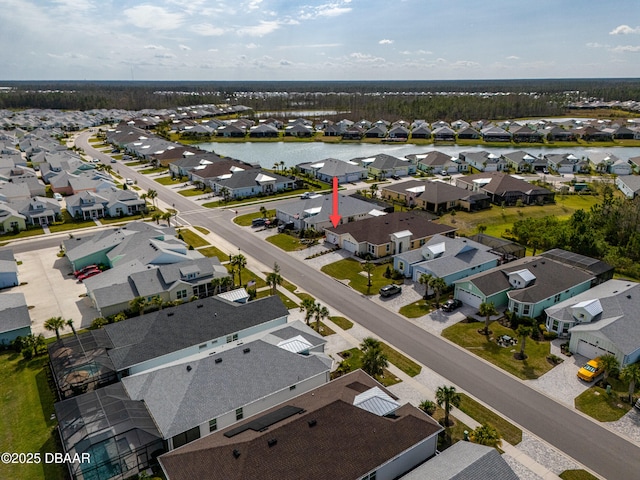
<point>51,290</point>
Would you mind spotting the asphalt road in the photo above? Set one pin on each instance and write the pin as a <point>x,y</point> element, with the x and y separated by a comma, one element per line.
<point>578,436</point>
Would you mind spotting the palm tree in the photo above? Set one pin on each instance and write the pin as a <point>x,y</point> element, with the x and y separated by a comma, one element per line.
<point>69,324</point>
<point>224,193</point>
<point>138,304</point>
<point>167,216</point>
<point>369,268</point>
<point>448,397</point>
<point>374,361</point>
<point>523,331</point>
<point>438,285</point>
<point>631,374</point>
<point>263,211</point>
<point>320,312</point>
<point>156,216</point>
<point>427,406</point>
<point>152,195</point>
<point>487,435</point>
<point>39,344</point>
<point>144,197</point>
<point>216,284</point>
<point>307,307</point>
<point>239,262</point>
<point>55,324</point>
<point>487,310</point>
<point>282,165</point>
<point>274,279</point>
<point>609,364</point>
<point>425,279</point>
<point>225,283</point>
<point>157,301</point>
<point>374,189</point>
<point>275,167</point>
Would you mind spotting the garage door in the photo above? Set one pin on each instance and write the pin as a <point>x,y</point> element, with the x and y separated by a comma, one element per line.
<point>590,350</point>
<point>353,177</point>
<point>349,246</point>
<point>469,298</point>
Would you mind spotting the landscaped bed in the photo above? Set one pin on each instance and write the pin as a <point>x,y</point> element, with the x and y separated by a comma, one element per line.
<point>351,270</point>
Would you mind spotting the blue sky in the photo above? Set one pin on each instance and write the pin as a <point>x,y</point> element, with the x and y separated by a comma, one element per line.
<point>317,40</point>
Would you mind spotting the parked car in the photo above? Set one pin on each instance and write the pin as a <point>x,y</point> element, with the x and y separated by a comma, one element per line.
<point>305,195</point>
<point>590,370</point>
<point>57,196</point>
<point>129,181</point>
<point>88,274</point>
<point>85,269</point>
<point>395,177</point>
<point>451,304</point>
<point>389,290</point>
<point>285,226</point>
<point>258,222</point>
<point>113,160</point>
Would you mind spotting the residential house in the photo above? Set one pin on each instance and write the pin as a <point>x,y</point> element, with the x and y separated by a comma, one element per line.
<point>603,162</point>
<point>300,130</point>
<point>590,133</point>
<point>444,134</point>
<point>325,170</point>
<point>556,133</point>
<point>436,196</point>
<point>464,460</point>
<point>601,321</point>
<point>10,219</point>
<point>173,153</point>
<point>629,185</point>
<point>383,166</point>
<point>459,124</point>
<point>112,290</point>
<point>14,192</point>
<point>600,270</point>
<point>264,130</point>
<point>483,160</point>
<point>495,134</point>
<point>623,133</point>
<point>158,338</point>
<point>468,133</point>
<point>521,161</point>
<point>436,162</point>
<point>68,184</point>
<point>505,189</point>
<point>119,203</point>
<point>399,132</point>
<point>566,163</point>
<point>250,183</point>
<point>211,170</point>
<point>313,213</point>
<point>421,131</point>
<point>183,167</point>
<point>354,132</point>
<point>14,317</point>
<point>526,286</point>
<point>38,210</point>
<point>393,233</point>
<point>635,164</point>
<point>522,133</point>
<point>8,269</point>
<point>232,131</point>
<point>447,257</point>
<point>345,417</point>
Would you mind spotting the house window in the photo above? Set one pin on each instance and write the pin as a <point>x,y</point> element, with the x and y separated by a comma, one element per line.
<point>204,345</point>
<point>232,338</point>
<point>388,247</point>
<point>239,414</point>
<point>180,294</point>
<point>525,309</point>
<point>555,326</point>
<point>401,266</point>
<point>186,437</point>
<point>213,425</point>
<point>371,476</point>
<point>556,298</point>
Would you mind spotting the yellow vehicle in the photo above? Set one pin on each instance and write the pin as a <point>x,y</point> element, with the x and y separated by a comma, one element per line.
<point>590,370</point>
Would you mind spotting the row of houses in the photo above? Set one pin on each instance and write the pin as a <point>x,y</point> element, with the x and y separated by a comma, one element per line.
<point>15,320</point>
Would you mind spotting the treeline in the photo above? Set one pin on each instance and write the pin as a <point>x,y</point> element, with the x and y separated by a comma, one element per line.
<point>372,100</point>
<point>610,231</point>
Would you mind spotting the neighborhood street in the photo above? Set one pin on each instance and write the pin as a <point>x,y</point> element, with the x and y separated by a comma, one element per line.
<point>578,436</point>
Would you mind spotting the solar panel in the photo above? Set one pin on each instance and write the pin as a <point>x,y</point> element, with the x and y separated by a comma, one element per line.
<point>265,421</point>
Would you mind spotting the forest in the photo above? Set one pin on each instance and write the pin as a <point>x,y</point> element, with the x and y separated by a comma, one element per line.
<point>610,231</point>
<point>392,100</point>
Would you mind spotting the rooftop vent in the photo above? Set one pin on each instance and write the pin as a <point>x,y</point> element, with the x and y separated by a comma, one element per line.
<point>170,314</point>
<point>188,368</point>
<point>218,360</point>
<point>236,453</point>
<point>200,306</point>
<point>312,423</point>
<point>246,350</point>
<point>628,296</point>
<point>271,442</point>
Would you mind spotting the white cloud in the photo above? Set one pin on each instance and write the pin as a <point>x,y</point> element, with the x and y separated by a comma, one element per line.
<point>333,11</point>
<point>624,30</point>
<point>595,45</point>
<point>626,48</point>
<point>285,63</point>
<point>513,57</point>
<point>251,45</point>
<point>164,55</point>
<point>207,30</point>
<point>254,4</point>
<point>385,41</point>
<point>264,28</point>
<point>365,57</point>
<point>185,47</point>
<point>152,17</point>
<point>67,55</point>
<point>153,47</point>
<point>465,64</point>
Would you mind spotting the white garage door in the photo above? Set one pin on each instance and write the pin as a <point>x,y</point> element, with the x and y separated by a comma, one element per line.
<point>590,350</point>
<point>349,246</point>
<point>469,298</point>
<point>353,177</point>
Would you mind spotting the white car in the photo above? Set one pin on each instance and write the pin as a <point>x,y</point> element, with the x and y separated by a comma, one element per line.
<point>129,181</point>
<point>57,196</point>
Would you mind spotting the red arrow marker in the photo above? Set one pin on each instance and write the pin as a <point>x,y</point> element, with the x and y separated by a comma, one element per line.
<point>335,216</point>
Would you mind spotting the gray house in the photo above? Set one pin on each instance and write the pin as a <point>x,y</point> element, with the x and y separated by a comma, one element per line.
<point>329,168</point>
<point>8,269</point>
<point>14,317</point>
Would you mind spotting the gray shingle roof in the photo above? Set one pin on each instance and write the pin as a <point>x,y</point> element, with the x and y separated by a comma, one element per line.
<point>181,398</point>
<point>171,329</point>
<point>14,313</point>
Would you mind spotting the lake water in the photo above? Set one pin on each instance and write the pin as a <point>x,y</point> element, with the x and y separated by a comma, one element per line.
<point>293,153</point>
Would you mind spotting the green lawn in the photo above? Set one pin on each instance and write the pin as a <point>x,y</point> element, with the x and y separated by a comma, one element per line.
<point>245,220</point>
<point>268,198</point>
<point>350,269</point>
<point>405,364</point>
<point>148,171</point>
<point>353,358</point>
<point>605,408</point>
<point>497,219</point>
<point>304,296</point>
<point>68,223</point>
<point>214,252</point>
<point>26,403</point>
<point>286,284</point>
<point>7,237</point>
<point>247,275</point>
<point>202,230</point>
<point>417,309</point>
<point>509,432</point>
<point>286,242</point>
<point>191,192</point>
<point>168,181</point>
<point>577,475</point>
<point>466,335</point>
<point>342,322</point>
<point>286,300</point>
<point>193,239</point>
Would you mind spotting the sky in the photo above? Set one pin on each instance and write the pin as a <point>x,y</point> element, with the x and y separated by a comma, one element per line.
<point>317,40</point>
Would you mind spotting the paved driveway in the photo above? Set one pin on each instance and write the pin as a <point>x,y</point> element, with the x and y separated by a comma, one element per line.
<point>51,290</point>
